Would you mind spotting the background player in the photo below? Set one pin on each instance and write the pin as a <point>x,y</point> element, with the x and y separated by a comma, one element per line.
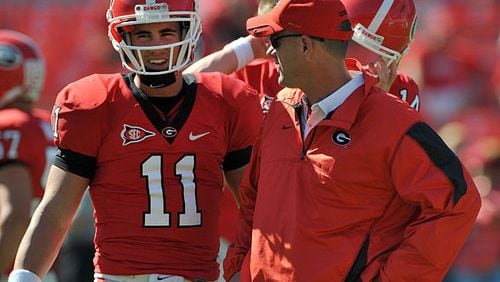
<point>26,149</point>
<point>153,146</point>
<point>384,30</point>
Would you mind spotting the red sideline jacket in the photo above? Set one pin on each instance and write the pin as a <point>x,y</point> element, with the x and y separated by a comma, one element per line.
<point>373,191</point>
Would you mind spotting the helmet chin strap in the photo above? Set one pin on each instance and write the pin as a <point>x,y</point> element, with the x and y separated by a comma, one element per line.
<point>158,81</point>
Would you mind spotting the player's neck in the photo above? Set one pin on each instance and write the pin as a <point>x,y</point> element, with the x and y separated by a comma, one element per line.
<point>166,91</point>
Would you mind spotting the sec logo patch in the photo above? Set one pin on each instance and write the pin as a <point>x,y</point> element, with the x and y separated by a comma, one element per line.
<point>134,134</point>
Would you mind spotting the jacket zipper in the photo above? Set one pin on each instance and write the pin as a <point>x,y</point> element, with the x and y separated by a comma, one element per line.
<point>305,148</point>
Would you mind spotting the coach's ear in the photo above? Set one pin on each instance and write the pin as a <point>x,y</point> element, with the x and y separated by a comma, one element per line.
<point>306,44</point>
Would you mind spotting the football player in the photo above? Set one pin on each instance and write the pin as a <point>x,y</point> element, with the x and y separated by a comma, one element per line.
<point>153,146</point>
<point>383,32</point>
<point>383,29</point>
<point>26,149</point>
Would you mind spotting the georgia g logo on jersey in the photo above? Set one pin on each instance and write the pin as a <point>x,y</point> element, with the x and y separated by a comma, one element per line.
<point>341,138</point>
<point>134,134</point>
<point>169,132</point>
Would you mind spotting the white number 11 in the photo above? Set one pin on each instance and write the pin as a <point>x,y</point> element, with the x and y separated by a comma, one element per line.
<point>158,216</point>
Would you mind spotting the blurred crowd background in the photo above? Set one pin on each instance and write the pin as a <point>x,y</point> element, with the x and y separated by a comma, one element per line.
<point>454,60</point>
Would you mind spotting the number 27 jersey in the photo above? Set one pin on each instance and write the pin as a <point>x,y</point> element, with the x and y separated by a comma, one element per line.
<point>157,180</point>
<point>25,137</point>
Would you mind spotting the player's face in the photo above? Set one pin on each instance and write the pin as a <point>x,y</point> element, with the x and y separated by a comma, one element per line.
<point>156,34</point>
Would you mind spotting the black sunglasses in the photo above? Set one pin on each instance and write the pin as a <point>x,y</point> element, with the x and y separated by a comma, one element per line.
<point>274,39</point>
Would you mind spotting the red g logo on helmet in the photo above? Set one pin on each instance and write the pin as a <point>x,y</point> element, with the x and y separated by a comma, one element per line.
<point>122,14</point>
<point>22,67</point>
<point>386,27</point>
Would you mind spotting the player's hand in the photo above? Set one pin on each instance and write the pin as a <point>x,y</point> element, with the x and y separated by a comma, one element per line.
<point>259,46</point>
<point>385,72</point>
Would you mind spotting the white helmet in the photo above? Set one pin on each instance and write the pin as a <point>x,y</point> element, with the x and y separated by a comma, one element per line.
<point>124,13</point>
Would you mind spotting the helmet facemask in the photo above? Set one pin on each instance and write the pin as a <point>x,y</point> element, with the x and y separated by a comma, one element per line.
<point>373,42</point>
<point>132,56</point>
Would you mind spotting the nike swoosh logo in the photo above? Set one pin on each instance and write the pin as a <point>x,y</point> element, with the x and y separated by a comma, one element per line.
<point>163,277</point>
<point>193,137</point>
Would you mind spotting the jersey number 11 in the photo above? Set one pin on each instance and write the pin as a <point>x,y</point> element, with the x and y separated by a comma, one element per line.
<point>158,216</point>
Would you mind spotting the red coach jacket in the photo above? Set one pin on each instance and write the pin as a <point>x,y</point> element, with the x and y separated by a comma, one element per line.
<point>372,192</point>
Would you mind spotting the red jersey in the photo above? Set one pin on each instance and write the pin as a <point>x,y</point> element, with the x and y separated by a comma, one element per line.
<point>261,74</point>
<point>356,200</point>
<point>403,87</point>
<point>27,138</point>
<point>406,89</point>
<point>158,178</point>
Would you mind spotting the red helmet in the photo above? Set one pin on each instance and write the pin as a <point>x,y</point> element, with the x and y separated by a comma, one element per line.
<point>22,67</point>
<point>124,13</point>
<point>385,27</point>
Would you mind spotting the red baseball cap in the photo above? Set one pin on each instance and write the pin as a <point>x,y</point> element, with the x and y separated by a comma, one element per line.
<point>319,18</point>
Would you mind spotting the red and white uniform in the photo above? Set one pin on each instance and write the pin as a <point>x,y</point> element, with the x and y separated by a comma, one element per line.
<point>356,200</point>
<point>156,182</point>
<point>27,138</point>
<point>403,87</point>
<point>261,74</point>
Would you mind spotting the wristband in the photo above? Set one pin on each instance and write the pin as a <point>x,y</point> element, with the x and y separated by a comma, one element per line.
<point>243,50</point>
<point>23,275</point>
